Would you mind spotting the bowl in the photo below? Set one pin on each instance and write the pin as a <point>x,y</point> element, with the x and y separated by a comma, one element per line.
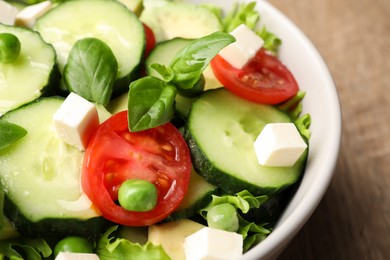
<point>322,103</point>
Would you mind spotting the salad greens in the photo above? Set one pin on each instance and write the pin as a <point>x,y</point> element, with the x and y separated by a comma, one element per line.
<point>110,246</point>
<point>243,201</point>
<point>24,248</point>
<point>293,108</point>
<point>242,13</point>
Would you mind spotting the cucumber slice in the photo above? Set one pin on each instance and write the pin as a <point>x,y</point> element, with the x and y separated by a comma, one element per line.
<point>197,197</point>
<point>109,21</point>
<point>221,131</point>
<point>40,175</point>
<point>163,53</point>
<point>31,75</point>
<point>178,19</point>
<point>134,5</point>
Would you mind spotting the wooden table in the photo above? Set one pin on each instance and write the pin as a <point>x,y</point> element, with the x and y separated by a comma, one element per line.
<point>353,219</point>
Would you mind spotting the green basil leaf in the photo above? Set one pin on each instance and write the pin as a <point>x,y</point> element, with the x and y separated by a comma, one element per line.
<point>189,63</point>
<point>165,72</point>
<point>10,133</point>
<point>151,103</point>
<point>91,70</point>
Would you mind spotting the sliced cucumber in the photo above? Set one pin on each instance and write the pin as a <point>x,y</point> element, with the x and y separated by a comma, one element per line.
<point>118,104</point>
<point>221,131</point>
<point>106,20</point>
<point>197,197</point>
<point>178,19</point>
<point>134,5</point>
<point>163,53</point>
<point>40,175</point>
<point>31,75</point>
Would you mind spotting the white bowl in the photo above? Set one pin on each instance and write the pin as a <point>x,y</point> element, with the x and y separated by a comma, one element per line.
<point>322,103</point>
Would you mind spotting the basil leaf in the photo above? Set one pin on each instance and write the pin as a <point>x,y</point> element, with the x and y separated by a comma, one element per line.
<point>91,70</point>
<point>189,63</point>
<point>151,103</point>
<point>10,133</point>
<point>165,72</point>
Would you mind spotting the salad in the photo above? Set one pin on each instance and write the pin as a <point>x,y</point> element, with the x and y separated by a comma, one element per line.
<point>136,129</point>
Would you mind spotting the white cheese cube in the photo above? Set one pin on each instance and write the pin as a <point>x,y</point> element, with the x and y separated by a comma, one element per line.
<point>279,144</point>
<point>213,244</point>
<point>7,13</point>
<point>28,15</point>
<point>76,256</point>
<point>76,121</point>
<point>244,48</point>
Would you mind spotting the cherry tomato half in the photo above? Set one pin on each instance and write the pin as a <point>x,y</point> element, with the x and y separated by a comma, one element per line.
<point>264,79</point>
<point>114,155</point>
<point>150,40</point>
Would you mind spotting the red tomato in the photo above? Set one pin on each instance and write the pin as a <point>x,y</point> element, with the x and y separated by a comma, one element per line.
<point>114,155</point>
<point>150,40</point>
<point>264,79</point>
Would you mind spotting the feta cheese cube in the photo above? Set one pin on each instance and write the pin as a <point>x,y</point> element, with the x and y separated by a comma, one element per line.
<point>213,244</point>
<point>244,48</point>
<point>76,121</point>
<point>28,15</point>
<point>76,256</point>
<point>279,144</point>
<point>7,13</point>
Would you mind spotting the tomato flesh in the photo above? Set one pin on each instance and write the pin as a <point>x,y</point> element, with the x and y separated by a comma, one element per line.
<point>114,155</point>
<point>264,79</point>
<point>150,40</point>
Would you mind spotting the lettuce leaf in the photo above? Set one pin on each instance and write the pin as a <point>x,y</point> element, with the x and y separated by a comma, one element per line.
<point>293,107</point>
<point>24,248</point>
<point>110,246</point>
<point>251,232</point>
<point>243,13</point>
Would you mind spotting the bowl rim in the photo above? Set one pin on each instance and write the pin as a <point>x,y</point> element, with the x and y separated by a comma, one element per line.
<point>295,216</point>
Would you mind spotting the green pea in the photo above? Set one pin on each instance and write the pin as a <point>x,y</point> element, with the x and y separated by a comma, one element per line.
<point>137,195</point>
<point>73,244</point>
<point>9,47</point>
<point>223,216</point>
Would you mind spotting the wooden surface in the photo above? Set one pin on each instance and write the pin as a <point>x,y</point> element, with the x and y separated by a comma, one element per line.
<point>353,219</point>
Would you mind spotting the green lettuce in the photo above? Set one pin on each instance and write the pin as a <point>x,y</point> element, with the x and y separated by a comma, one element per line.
<point>245,13</point>
<point>252,232</point>
<point>293,107</point>
<point>110,246</point>
<point>24,248</point>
